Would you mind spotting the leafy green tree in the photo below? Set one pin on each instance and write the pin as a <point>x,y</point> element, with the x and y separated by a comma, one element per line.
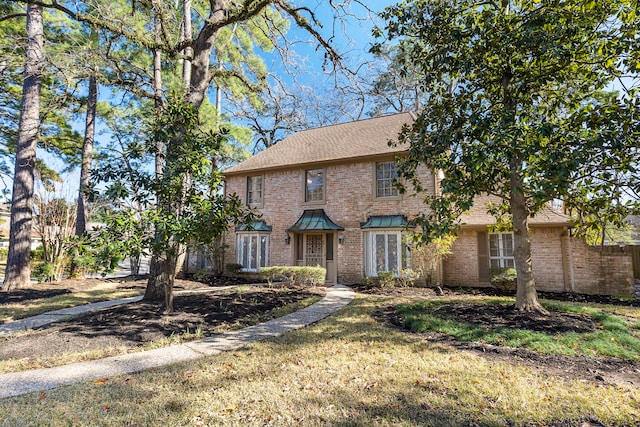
<point>197,212</point>
<point>514,106</point>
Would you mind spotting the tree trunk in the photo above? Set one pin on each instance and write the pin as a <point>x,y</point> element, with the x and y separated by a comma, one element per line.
<point>18,270</point>
<point>188,51</point>
<point>155,291</point>
<point>87,155</point>
<point>170,273</point>
<point>155,282</point>
<point>526,296</point>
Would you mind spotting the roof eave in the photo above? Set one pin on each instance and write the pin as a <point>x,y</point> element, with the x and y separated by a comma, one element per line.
<point>306,165</point>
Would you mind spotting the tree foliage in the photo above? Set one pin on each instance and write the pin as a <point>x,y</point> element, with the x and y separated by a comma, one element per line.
<point>514,106</point>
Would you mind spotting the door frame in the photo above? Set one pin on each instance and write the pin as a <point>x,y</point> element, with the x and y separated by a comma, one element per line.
<point>300,239</point>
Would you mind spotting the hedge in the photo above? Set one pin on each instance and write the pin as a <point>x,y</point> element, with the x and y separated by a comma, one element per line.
<point>302,275</point>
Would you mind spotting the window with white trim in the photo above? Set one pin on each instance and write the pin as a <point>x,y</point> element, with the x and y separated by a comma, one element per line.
<point>501,250</point>
<point>386,175</point>
<point>254,190</point>
<point>314,185</point>
<point>386,250</point>
<point>252,251</point>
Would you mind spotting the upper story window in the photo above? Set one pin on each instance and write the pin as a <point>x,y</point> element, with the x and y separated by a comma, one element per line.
<point>501,250</point>
<point>386,174</point>
<point>314,186</point>
<point>254,190</point>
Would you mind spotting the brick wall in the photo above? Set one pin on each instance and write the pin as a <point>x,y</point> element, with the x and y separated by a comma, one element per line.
<point>600,270</point>
<point>461,267</point>
<point>546,258</point>
<point>560,263</point>
<point>349,200</point>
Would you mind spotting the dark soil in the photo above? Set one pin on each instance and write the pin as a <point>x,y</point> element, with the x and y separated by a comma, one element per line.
<point>137,324</point>
<point>604,371</point>
<point>20,295</point>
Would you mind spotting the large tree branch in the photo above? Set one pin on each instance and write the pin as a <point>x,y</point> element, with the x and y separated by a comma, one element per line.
<point>13,15</point>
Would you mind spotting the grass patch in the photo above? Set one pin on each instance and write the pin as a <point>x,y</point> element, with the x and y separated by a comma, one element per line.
<point>615,335</point>
<point>15,311</point>
<point>272,314</point>
<point>347,370</point>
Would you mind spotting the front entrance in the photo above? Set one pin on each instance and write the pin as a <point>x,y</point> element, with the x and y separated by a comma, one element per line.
<point>317,249</point>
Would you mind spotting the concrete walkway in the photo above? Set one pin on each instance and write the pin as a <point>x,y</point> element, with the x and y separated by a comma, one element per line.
<point>18,383</point>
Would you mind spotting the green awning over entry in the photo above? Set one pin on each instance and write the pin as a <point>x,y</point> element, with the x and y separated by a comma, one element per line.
<point>387,221</point>
<point>254,226</point>
<point>314,220</point>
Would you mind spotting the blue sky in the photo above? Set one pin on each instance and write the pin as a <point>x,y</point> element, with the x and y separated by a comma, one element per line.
<point>350,36</point>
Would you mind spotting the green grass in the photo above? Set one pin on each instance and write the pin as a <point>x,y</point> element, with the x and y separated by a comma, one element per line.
<point>15,311</point>
<point>616,336</point>
<point>347,370</point>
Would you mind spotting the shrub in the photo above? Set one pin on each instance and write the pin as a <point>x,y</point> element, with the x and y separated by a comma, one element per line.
<point>504,279</point>
<point>44,271</point>
<point>233,268</point>
<point>408,277</point>
<point>313,276</point>
<point>385,279</point>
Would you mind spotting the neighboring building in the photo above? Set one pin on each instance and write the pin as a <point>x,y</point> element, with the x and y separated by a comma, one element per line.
<point>327,198</point>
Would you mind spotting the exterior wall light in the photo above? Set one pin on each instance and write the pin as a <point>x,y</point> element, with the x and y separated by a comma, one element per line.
<point>287,239</point>
<point>341,238</point>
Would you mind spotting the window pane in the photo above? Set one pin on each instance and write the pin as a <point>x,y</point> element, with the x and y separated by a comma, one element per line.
<point>392,263</point>
<point>501,250</point>
<point>507,245</point>
<point>245,251</point>
<point>386,173</point>
<point>494,250</point>
<point>315,185</point>
<point>263,251</point>
<point>380,251</point>
<point>253,252</point>
<point>406,253</point>
<point>254,190</point>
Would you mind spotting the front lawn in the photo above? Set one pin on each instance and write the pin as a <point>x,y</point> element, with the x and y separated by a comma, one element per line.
<point>570,329</point>
<point>347,370</point>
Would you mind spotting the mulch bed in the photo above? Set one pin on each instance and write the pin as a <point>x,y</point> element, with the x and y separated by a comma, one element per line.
<point>21,295</point>
<point>136,324</point>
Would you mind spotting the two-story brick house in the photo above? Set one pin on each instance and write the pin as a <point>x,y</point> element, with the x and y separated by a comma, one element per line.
<point>326,198</point>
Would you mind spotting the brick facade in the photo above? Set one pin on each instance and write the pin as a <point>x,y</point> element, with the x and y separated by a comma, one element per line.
<point>560,264</point>
<point>349,201</point>
<point>348,153</point>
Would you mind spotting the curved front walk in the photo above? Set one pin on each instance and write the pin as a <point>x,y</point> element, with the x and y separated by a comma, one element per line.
<point>18,383</point>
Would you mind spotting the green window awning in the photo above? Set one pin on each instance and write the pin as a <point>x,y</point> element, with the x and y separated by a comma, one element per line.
<point>314,220</point>
<point>387,221</point>
<point>254,226</point>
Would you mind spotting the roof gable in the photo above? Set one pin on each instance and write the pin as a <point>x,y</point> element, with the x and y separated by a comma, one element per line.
<point>362,138</point>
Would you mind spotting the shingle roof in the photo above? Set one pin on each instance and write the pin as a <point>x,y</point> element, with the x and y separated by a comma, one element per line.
<point>478,215</point>
<point>362,138</point>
